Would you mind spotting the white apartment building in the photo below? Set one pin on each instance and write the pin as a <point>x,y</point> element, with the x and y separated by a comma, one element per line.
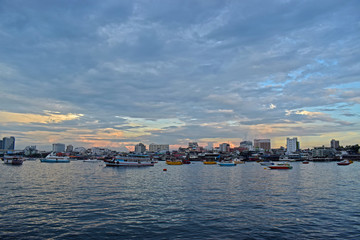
<point>58,147</point>
<point>140,148</point>
<point>292,145</point>
<point>158,147</point>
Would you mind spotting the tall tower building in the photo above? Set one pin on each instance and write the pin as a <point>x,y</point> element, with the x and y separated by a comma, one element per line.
<point>158,147</point>
<point>8,143</point>
<point>140,148</point>
<point>224,147</point>
<point>58,147</point>
<point>262,144</point>
<point>292,145</point>
<point>69,148</point>
<point>334,143</point>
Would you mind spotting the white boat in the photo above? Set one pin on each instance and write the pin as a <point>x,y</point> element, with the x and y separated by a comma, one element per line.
<point>91,160</point>
<point>130,161</point>
<point>53,158</point>
<point>13,160</point>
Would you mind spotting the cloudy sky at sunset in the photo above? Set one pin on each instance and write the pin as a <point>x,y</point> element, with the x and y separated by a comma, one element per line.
<point>116,73</point>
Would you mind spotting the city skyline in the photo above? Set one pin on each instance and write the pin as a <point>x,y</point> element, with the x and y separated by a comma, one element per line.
<point>114,74</point>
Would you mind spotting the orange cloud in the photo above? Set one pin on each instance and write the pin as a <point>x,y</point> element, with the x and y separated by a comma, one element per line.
<point>10,117</point>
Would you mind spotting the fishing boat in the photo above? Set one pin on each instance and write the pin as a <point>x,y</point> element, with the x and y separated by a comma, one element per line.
<point>227,164</point>
<point>344,162</point>
<point>186,161</point>
<point>13,160</point>
<point>54,158</point>
<point>266,163</point>
<point>130,161</point>
<point>281,166</point>
<point>209,162</point>
<point>238,161</point>
<point>174,162</point>
<point>91,160</point>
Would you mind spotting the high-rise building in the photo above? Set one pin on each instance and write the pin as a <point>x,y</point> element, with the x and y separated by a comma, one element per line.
<point>193,145</point>
<point>140,148</point>
<point>1,144</point>
<point>224,147</point>
<point>69,148</point>
<point>158,147</point>
<point>334,143</point>
<point>262,144</point>
<point>8,143</point>
<point>58,147</point>
<point>246,144</point>
<point>292,145</point>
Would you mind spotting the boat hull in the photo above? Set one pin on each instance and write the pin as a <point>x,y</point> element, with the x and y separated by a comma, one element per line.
<point>14,162</point>
<point>210,162</point>
<point>227,164</point>
<point>280,167</point>
<point>173,163</point>
<point>55,160</point>
<point>129,164</point>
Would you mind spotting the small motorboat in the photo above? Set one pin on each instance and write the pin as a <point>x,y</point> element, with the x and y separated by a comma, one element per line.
<point>91,160</point>
<point>344,162</point>
<point>266,163</point>
<point>209,162</point>
<point>125,163</point>
<point>305,162</point>
<point>238,161</point>
<point>281,166</point>
<point>227,164</point>
<point>174,162</point>
<point>13,160</point>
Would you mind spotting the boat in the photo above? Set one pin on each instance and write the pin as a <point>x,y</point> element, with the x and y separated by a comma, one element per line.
<point>91,160</point>
<point>174,162</point>
<point>186,161</point>
<point>13,160</point>
<point>238,161</point>
<point>344,162</point>
<point>280,166</point>
<point>305,162</point>
<point>130,161</point>
<point>54,158</point>
<point>209,162</point>
<point>266,163</point>
<point>227,164</point>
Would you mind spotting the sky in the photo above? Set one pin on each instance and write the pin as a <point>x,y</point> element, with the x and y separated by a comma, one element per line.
<point>115,73</point>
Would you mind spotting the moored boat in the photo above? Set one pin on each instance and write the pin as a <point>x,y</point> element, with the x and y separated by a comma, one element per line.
<point>53,158</point>
<point>174,162</point>
<point>227,164</point>
<point>209,162</point>
<point>123,163</point>
<point>91,160</point>
<point>344,162</point>
<point>266,163</point>
<point>238,161</point>
<point>130,161</point>
<point>13,160</point>
<point>281,166</point>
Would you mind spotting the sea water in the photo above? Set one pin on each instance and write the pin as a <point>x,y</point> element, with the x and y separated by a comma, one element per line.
<point>80,200</point>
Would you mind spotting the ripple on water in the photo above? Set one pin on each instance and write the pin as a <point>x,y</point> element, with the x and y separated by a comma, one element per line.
<point>83,201</point>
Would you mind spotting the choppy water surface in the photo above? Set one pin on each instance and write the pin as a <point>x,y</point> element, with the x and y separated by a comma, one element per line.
<point>81,200</point>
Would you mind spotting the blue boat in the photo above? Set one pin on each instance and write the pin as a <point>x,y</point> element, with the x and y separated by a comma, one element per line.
<point>227,164</point>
